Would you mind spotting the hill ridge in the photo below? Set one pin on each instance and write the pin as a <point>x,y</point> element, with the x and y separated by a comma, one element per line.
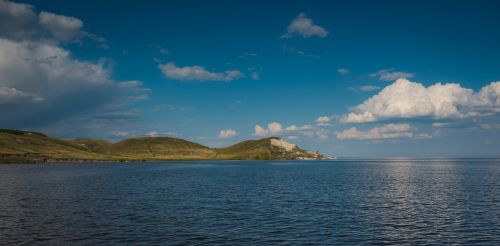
<point>18,146</point>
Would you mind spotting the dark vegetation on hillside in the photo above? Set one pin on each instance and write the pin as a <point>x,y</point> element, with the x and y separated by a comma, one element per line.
<point>33,147</point>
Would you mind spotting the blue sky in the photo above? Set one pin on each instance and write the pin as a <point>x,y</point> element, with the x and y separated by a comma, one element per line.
<point>347,78</point>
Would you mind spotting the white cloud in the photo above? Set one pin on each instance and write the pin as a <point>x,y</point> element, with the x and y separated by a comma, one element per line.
<point>152,134</point>
<point>197,73</point>
<point>343,71</point>
<point>291,131</point>
<point>304,27</point>
<point>364,88</point>
<point>12,95</point>
<point>391,75</point>
<point>62,27</point>
<point>260,131</point>
<point>75,86</point>
<point>407,99</point>
<point>324,121</point>
<point>423,136</point>
<point>293,128</point>
<point>439,124</point>
<point>120,133</point>
<point>369,88</point>
<point>316,133</point>
<point>17,20</point>
<point>383,132</point>
<point>322,133</point>
<point>41,83</point>
<point>20,22</point>
<point>229,133</point>
<point>274,127</point>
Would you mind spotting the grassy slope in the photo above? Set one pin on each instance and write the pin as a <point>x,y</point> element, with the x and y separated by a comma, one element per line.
<point>161,148</point>
<point>34,147</point>
<point>247,150</point>
<point>20,146</point>
<point>92,145</point>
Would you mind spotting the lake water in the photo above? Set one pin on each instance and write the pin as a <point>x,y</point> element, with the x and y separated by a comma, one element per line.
<point>344,202</point>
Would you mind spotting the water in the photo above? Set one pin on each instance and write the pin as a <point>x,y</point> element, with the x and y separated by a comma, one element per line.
<point>443,201</point>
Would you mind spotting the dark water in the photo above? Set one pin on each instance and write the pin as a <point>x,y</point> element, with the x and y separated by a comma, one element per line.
<point>454,201</point>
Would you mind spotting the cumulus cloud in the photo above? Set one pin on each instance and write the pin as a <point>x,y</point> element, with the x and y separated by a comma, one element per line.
<point>343,71</point>
<point>62,27</point>
<point>197,73</point>
<point>260,131</point>
<point>391,75</point>
<point>229,133</point>
<point>19,22</point>
<point>305,27</point>
<point>406,99</point>
<point>40,81</point>
<point>384,132</point>
<point>275,128</point>
<point>272,128</point>
<point>324,121</point>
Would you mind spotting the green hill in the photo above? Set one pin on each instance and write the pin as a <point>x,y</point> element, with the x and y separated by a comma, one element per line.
<point>32,147</point>
<point>21,147</point>
<point>271,148</point>
<point>161,148</point>
<point>92,145</point>
<point>249,149</point>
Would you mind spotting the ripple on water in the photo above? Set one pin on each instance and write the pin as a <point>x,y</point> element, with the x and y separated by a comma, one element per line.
<point>402,201</point>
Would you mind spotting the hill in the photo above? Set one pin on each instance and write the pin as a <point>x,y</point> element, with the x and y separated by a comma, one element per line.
<point>28,147</point>
<point>271,148</point>
<point>33,147</point>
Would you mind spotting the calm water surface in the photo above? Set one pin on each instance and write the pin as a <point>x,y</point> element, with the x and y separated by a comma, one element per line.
<point>344,202</point>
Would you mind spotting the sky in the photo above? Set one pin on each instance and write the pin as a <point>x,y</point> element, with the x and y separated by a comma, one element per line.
<point>347,78</point>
